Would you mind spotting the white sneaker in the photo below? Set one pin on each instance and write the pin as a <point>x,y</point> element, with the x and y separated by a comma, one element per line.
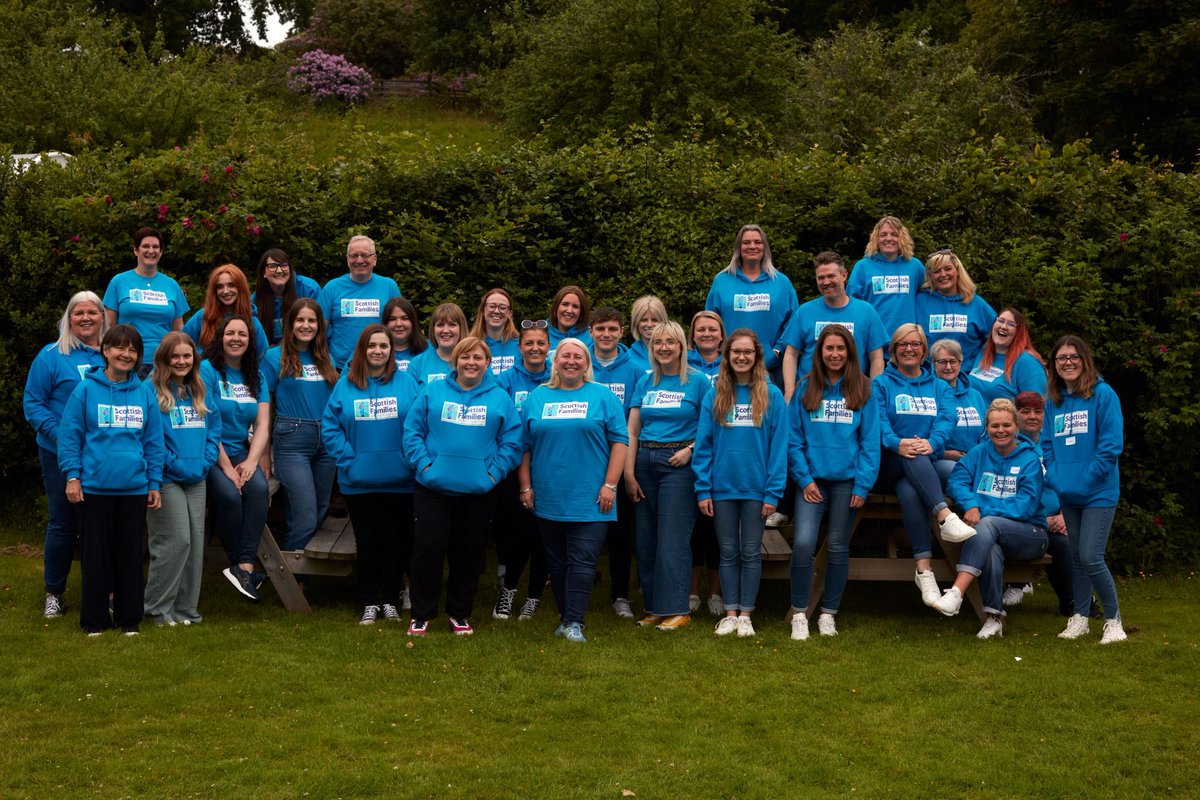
<point>716,605</point>
<point>1027,589</point>
<point>950,602</point>
<point>693,603</point>
<point>777,519</point>
<point>827,624</point>
<point>1114,631</point>
<point>955,530</point>
<point>1012,596</point>
<point>1077,625</point>
<point>930,593</point>
<point>370,614</point>
<point>726,626</point>
<point>745,627</point>
<point>992,626</point>
<point>622,609</point>
<point>799,626</point>
<point>390,613</point>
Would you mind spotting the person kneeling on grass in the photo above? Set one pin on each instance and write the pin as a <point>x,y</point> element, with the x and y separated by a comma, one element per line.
<point>998,483</point>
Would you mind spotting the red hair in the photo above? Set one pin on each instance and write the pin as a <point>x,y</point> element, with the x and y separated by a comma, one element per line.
<point>214,314</point>
<point>1021,343</point>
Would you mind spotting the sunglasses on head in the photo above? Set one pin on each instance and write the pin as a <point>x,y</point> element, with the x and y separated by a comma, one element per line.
<point>526,324</point>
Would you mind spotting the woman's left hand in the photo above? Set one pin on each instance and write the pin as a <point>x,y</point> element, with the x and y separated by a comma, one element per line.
<point>767,510</point>
<point>681,458</point>
<point>154,499</point>
<point>857,501</point>
<point>605,499</point>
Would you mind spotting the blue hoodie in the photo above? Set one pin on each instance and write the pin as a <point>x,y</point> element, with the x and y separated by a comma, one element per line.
<point>764,305</point>
<point>580,332</point>
<point>363,432</point>
<point>621,376</point>
<point>670,411</point>
<point>891,285</point>
<point>1028,375</point>
<point>569,434</point>
<point>857,316</point>
<point>970,410</point>
<point>428,367</point>
<point>404,358</point>
<point>639,353</point>
<point>463,441</point>
<point>832,442</point>
<point>52,378</point>
<point>305,287</point>
<point>914,407</point>
<point>301,397</point>
<point>239,409</point>
<point>999,486</point>
<point>1081,442</point>
<point>196,324</point>
<point>738,460</point>
<point>710,369</point>
<point>943,316</point>
<point>192,442</point>
<point>505,355</point>
<point>111,436</point>
<point>519,382</point>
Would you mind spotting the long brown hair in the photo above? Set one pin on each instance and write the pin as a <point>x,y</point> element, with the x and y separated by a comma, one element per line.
<point>264,292</point>
<point>585,308</point>
<point>166,388</point>
<point>214,314</point>
<point>1088,375</point>
<point>250,359</point>
<point>725,389</point>
<point>358,373</point>
<point>856,387</point>
<point>416,339</point>
<point>289,350</point>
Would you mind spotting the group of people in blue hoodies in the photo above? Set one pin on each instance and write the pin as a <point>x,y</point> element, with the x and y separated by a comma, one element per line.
<point>441,440</point>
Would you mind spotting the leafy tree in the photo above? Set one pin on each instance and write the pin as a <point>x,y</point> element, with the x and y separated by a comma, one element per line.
<point>813,19</point>
<point>1117,71</point>
<point>603,64</point>
<point>207,22</point>
<point>379,35</point>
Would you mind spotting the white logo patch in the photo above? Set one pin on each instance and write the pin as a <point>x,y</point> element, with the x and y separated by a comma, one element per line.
<point>459,414</point>
<point>365,307</point>
<point>185,417</point>
<point>921,406</point>
<point>572,410</point>
<point>618,389</point>
<point>372,408</point>
<point>832,411</point>
<point>119,416</point>
<point>947,323</point>
<point>990,374</point>
<point>148,297</point>
<point>663,399</point>
<point>752,302</point>
<point>502,363</point>
<point>237,392</point>
<point>968,417</point>
<point>994,485</point>
<point>889,284</point>
<point>740,416</point>
<point>1071,423</point>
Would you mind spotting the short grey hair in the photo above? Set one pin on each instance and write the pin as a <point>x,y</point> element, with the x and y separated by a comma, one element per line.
<point>360,238</point>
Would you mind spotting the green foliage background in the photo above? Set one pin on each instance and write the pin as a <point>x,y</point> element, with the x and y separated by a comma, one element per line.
<point>1080,242</point>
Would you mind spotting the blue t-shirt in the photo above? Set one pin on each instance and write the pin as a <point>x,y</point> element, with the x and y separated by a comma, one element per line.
<point>857,316</point>
<point>569,434</point>
<point>195,325</point>
<point>429,367</point>
<point>670,411</point>
<point>350,306</point>
<point>150,305</point>
<point>232,398</point>
<point>305,287</point>
<point>890,286</point>
<point>304,397</point>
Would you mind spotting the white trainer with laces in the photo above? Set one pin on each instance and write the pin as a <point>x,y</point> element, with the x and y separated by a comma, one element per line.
<point>777,519</point>
<point>955,530</point>
<point>799,626</point>
<point>827,624</point>
<point>1077,625</point>
<point>950,602</point>
<point>930,593</point>
<point>716,605</point>
<point>622,609</point>
<point>993,626</point>
<point>745,627</point>
<point>726,626</point>
<point>370,614</point>
<point>1012,596</point>
<point>1114,631</point>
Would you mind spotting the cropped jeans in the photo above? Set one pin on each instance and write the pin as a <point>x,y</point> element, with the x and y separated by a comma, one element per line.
<point>984,554</point>
<point>836,496</point>
<point>306,473</point>
<point>663,531</point>
<point>739,525</point>
<point>920,493</point>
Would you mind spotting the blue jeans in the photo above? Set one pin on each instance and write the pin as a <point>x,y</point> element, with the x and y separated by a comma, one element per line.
<point>1087,531</point>
<point>920,493</point>
<point>239,517</point>
<point>739,525</point>
<point>61,529</point>
<point>995,540</point>
<point>663,531</point>
<point>804,544</point>
<point>572,552</point>
<point>306,473</point>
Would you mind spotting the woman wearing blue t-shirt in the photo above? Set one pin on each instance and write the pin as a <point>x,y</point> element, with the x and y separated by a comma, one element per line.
<point>277,287</point>
<point>574,427</point>
<point>663,420</point>
<point>145,298</point>
<point>237,485</point>
<point>300,377</point>
<point>447,327</point>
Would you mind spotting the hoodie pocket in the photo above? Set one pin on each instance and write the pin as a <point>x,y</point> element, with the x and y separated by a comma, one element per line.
<point>455,474</point>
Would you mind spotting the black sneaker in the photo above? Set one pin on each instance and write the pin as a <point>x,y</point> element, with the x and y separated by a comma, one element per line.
<point>54,606</point>
<point>504,604</point>
<point>243,581</point>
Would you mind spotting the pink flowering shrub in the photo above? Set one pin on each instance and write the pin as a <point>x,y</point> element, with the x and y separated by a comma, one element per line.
<point>324,77</point>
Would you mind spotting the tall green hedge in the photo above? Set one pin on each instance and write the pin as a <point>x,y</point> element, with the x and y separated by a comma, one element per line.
<point>1081,243</point>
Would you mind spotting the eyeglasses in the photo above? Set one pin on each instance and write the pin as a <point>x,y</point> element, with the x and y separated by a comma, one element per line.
<point>1074,358</point>
<point>498,307</point>
<point>526,324</point>
<point>908,346</point>
<point>1005,323</point>
<point>946,362</point>
<point>359,256</point>
<point>278,268</point>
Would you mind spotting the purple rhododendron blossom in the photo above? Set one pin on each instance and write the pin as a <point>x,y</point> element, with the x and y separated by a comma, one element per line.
<point>323,76</point>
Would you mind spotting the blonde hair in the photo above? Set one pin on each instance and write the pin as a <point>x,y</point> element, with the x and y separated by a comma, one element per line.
<point>643,307</point>
<point>1004,406</point>
<point>905,238</point>
<point>905,330</point>
<point>588,374</point>
<point>170,391</point>
<point>671,330</point>
<point>67,341</point>
<point>965,286</point>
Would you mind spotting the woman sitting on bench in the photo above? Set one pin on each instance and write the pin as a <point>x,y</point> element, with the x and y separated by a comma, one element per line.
<point>999,486</point>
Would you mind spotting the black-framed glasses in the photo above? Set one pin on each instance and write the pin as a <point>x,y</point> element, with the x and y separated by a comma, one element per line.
<point>526,324</point>
<point>1073,358</point>
<point>279,267</point>
<point>946,362</point>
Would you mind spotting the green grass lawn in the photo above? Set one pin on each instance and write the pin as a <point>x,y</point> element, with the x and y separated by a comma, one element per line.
<point>406,124</point>
<point>256,703</point>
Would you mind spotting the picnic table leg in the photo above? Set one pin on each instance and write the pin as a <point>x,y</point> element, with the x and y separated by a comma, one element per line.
<point>281,575</point>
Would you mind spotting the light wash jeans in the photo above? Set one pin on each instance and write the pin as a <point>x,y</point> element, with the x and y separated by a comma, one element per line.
<point>739,525</point>
<point>1087,531</point>
<point>306,473</point>
<point>984,554</point>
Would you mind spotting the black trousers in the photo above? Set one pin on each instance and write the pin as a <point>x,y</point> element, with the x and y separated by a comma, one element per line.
<point>448,529</point>
<point>620,544</point>
<point>112,529</point>
<point>383,532</point>
<point>523,541</point>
